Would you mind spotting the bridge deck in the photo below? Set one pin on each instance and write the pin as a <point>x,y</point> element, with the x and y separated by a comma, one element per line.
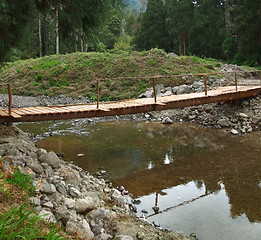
<point>30,114</point>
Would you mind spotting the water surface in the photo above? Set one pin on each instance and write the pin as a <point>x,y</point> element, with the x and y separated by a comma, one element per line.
<point>203,181</point>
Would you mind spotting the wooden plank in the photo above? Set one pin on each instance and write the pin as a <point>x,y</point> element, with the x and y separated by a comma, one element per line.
<point>3,113</point>
<point>14,115</point>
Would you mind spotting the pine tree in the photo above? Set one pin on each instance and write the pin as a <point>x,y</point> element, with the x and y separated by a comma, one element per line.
<point>179,18</point>
<point>208,28</point>
<point>152,32</point>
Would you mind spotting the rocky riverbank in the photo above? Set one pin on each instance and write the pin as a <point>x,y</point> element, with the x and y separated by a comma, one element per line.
<point>88,207</point>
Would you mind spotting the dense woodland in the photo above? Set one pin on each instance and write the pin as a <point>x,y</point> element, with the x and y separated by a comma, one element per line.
<point>228,30</point>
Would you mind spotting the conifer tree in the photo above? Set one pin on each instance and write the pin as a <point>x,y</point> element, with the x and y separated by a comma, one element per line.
<point>152,31</point>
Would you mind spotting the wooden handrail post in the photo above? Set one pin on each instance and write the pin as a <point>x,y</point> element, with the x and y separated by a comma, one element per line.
<point>206,86</point>
<point>236,80</point>
<point>10,104</point>
<point>154,90</point>
<point>98,94</point>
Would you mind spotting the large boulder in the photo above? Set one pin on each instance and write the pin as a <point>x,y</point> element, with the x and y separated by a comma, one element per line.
<point>51,159</point>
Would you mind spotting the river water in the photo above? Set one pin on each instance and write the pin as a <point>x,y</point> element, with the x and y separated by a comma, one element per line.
<point>196,180</point>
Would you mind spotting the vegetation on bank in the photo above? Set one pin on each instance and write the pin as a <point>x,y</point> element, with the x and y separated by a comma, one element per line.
<point>77,74</point>
<point>17,218</point>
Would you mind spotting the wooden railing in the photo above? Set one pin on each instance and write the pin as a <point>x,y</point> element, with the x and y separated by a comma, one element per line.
<point>153,79</point>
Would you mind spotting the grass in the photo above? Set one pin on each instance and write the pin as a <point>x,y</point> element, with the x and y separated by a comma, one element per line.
<point>73,74</point>
<point>22,223</point>
<point>17,218</point>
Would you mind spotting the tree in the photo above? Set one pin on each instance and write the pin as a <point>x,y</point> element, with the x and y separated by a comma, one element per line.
<point>152,31</point>
<point>246,31</point>
<point>179,18</point>
<point>14,17</point>
<point>208,28</point>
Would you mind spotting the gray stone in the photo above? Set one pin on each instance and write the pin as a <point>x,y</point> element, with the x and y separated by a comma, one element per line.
<point>48,188</point>
<point>234,131</point>
<point>79,230</point>
<point>242,116</point>
<point>175,89</point>
<point>48,216</point>
<point>98,214</point>
<point>35,201</point>
<point>174,55</point>
<point>70,203</point>
<point>35,166</point>
<point>183,89</point>
<point>86,204</point>
<point>166,120</point>
<point>51,159</point>
<point>123,237</point>
<point>140,235</point>
<point>41,151</point>
<point>61,189</point>
<point>223,122</point>
<point>147,94</point>
<point>48,205</point>
<point>74,192</point>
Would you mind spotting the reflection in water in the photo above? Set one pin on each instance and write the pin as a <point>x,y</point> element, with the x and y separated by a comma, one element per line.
<point>200,180</point>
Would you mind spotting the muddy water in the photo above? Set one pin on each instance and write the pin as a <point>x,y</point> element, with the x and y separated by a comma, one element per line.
<point>187,178</point>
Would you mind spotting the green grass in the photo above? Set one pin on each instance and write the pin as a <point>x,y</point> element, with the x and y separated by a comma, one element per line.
<point>23,223</point>
<point>25,182</point>
<point>73,74</point>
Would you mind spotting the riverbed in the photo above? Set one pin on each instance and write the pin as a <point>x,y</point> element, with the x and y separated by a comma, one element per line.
<point>184,177</point>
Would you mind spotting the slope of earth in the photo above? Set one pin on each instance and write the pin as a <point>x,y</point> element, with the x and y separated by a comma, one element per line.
<point>76,74</point>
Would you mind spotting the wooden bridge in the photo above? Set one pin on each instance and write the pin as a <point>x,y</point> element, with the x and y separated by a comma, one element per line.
<point>98,109</point>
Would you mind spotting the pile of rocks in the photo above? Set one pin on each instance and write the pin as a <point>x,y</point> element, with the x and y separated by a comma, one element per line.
<point>87,206</point>
<point>197,86</point>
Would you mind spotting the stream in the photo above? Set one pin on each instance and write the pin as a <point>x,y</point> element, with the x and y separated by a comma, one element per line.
<point>184,177</point>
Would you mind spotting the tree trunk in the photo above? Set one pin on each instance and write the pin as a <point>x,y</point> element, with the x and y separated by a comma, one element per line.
<point>57,31</point>
<point>180,44</point>
<point>76,42</point>
<point>40,37</point>
<point>81,40</point>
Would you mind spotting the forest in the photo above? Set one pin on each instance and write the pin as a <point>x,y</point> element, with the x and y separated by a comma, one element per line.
<point>228,30</point>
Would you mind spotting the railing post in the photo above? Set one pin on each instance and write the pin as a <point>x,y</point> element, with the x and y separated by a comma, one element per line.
<point>10,104</point>
<point>236,80</point>
<point>206,86</point>
<point>98,94</point>
<point>154,90</point>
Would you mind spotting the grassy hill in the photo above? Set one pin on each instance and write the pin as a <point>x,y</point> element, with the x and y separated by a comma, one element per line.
<point>76,74</point>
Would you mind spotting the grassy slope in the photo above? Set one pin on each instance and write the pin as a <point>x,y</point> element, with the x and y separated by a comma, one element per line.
<point>75,74</point>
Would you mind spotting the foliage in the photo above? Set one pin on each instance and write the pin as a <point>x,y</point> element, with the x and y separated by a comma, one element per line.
<point>123,43</point>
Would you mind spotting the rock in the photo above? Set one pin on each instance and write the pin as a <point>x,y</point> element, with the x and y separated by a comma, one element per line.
<point>173,55</point>
<point>48,188</point>
<point>242,116</point>
<point>212,79</point>
<point>147,94</point>
<point>86,204</point>
<point>79,230</point>
<point>98,214</point>
<point>61,189</point>
<point>175,89</point>
<point>223,122</point>
<point>48,205</point>
<point>41,152</point>
<point>183,89</point>
<point>166,120</point>
<point>51,159</point>
<point>35,201</point>
<point>116,195</point>
<point>234,131</point>
<point>70,203</point>
<point>123,237</point>
<point>35,166</point>
<point>48,216</point>
<point>74,192</point>
<point>140,235</point>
